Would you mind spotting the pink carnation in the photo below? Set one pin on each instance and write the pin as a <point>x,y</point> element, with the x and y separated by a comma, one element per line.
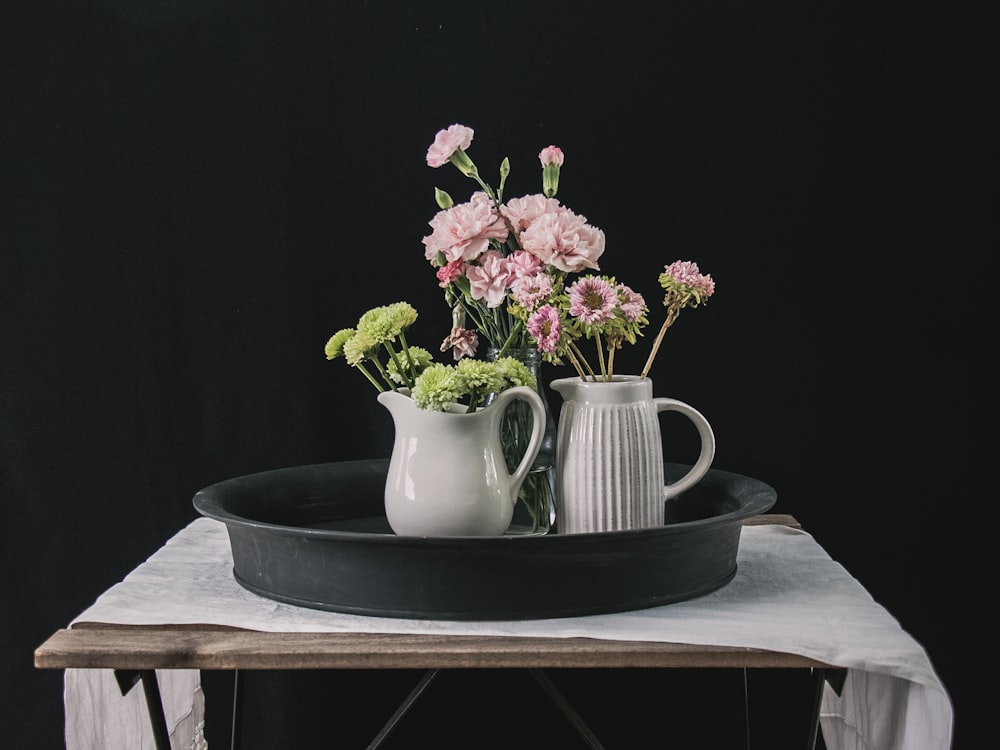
<point>528,291</point>
<point>463,232</point>
<point>447,142</point>
<point>521,264</point>
<point>450,272</point>
<point>551,155</point>
<point>462,342</point>
<point>686,272</point>
<point>520,212</point>
<point>489,280</point>
<point>564,240</point>
<point>546,328</point>
<point>592,300</point>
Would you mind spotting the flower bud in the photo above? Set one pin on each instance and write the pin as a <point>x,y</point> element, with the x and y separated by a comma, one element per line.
<point>551,158</point>
<point>461,160</point>
<point>443,200</point>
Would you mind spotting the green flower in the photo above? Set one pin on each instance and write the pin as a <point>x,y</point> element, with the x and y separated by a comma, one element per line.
<point>437,387</point>
<point>385,324</point>
<point>360,347</point>
<point>479,377</point>
<point>419,360</point>
<point>335,346</point>
<point>469,382</point>
<point>514,373</point>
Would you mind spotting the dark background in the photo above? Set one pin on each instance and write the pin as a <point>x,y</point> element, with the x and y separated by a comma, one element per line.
<point>195,195</point>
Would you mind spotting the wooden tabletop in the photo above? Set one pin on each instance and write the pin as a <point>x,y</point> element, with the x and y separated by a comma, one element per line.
<point>205,647</point>
<point>102,646</point>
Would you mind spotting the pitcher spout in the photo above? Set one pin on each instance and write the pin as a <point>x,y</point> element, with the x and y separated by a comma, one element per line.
<point>393,400</point>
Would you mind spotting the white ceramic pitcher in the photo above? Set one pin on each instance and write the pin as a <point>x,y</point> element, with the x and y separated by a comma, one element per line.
<point>609,455</point>
<point>447,473</point>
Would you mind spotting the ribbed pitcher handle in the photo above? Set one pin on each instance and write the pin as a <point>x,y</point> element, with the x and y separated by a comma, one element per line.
<point>705,434</point>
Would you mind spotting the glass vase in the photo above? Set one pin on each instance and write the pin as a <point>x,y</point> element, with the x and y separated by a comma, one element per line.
<point>535,510</point>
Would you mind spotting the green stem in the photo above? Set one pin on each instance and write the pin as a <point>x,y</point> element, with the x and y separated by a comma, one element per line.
<point>364,371</point>
<point>399,367</point>
<point>514,333</point>
<point>410,369</point>
<point>600,357</point>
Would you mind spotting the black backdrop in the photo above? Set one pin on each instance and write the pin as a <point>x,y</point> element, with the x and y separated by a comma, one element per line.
<point>197,194</point>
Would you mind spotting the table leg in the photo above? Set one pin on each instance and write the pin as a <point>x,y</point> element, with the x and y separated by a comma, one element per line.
<point>234,737</point>
<point>568,711</point>
<point>822,676</point>
<point>154,703</point>
<point>746,710</point>
<point>403,708</point>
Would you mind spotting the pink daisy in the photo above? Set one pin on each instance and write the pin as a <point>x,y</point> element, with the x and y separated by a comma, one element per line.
<point>686,272</point>
<point>546,328</point>
<point>630,303</point>
<point>592,300</point>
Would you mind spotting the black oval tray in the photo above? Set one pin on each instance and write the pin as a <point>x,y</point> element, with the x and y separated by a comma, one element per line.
<point>316,536</point>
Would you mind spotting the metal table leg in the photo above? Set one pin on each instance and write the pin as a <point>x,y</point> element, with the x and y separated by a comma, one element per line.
<point>822,676</point>
<point>154,703</point>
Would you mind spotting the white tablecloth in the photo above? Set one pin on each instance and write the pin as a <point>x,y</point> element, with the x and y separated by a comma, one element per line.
<point>788,595</point>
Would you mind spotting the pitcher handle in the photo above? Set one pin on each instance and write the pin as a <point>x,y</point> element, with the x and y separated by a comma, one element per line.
<point>705,434</point>
<point>534,401</point>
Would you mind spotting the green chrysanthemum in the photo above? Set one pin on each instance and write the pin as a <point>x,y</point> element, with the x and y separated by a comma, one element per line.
<point>420,358</point>
<point>437,387</point>
<point>335,346</point>
<point>385,324</point>
<point>359,348</point>
<point>514,373</point>
<point>477,376</point>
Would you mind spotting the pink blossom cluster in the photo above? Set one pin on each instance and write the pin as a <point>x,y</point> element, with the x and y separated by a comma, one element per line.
<point>687,273</point>
<point>593,304</point>
<point>470,240</point>
<point>520,251</point>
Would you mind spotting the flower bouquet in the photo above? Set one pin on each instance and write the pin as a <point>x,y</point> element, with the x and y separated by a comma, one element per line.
<point>518,273</point>
<point>521,275</point>
<point>513,268</point>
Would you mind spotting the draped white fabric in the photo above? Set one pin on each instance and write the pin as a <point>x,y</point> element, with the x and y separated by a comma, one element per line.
<point>788,595</point>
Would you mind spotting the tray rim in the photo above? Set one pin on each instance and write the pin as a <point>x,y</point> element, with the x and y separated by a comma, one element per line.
<point>207,503</point>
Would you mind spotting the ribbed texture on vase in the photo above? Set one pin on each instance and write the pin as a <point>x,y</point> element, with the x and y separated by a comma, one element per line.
<point>610,464</point>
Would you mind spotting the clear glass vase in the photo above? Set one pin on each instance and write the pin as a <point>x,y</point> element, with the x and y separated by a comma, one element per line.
<point>535,510</point>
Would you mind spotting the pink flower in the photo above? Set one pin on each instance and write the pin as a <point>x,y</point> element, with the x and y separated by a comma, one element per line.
<point>564,240</point>
<point>463,232</point>
<point>546,328</point>
<point>631,304</point>
<point>686,272</point>
<point>520,212</point>
<point>592,300</point>
<point>449,272</point>
<point>528,291</point>
<point>551,155</point>
<point>447,142</point>
<point>462,342</point>
<point>489,280</point>
<point>521,264</point>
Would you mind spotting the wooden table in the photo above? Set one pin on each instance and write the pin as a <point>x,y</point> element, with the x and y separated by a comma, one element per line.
<point>134,652</point>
